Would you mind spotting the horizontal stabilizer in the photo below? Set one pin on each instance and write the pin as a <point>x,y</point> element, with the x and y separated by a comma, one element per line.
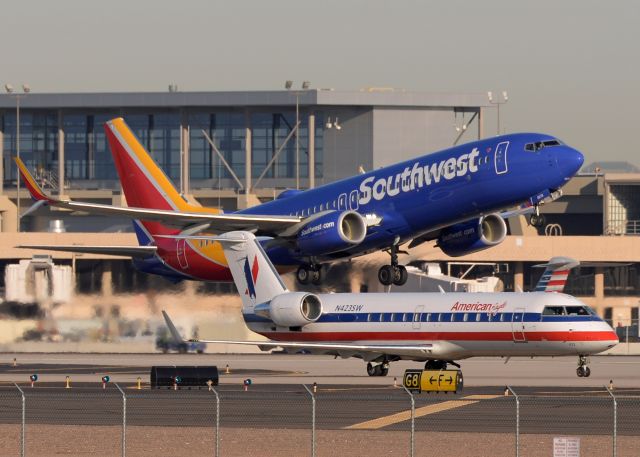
<point>124,251</point>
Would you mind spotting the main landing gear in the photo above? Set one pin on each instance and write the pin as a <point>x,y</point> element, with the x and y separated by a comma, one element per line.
<point>439,364</point>
<point>537,219</point>
<point>380,369</point>
<point>313,273</point>
<point>583,370</point>
<point>393,274</point>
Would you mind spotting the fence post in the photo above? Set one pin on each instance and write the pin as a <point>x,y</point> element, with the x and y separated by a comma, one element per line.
<point>615,421</point>
<point>24,414</point>
<point>413,419</point>
<point>517,420</point>
<point>313,421</point>
<point>217,421</point>
<point>124,421</point>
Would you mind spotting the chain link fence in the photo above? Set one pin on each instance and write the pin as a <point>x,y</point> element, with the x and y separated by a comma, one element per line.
<point>284,420</point>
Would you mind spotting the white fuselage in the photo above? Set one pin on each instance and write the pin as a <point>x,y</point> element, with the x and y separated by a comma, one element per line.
<point>453,325</point>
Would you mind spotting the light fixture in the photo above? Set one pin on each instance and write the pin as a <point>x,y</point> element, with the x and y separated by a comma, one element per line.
<point>490,95</point>
<point>8,88</point>
<point>328,125</point>
<point>504,95</point>
<point>336,125</point>
<point>288,84</point>
<point>306,84</point>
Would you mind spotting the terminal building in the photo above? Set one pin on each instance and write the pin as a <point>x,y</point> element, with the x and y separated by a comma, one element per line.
<point>235,149</point>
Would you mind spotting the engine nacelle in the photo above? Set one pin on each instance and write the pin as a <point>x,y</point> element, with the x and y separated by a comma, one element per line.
<point>332,232</point>
<point>476,235</point>
<point>293,309</point>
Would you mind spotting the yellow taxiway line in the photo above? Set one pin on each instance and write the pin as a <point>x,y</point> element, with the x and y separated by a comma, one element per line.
<point>420,412</point>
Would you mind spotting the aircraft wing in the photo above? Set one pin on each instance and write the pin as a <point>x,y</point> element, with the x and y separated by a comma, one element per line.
<point>179,219</point>
<point>345,350</point>
<point>124,251</point>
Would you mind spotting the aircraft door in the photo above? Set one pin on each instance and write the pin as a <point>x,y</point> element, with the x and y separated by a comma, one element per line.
<point>517,326</point>
<point>501,158</point>
<point>353,200</point>
<point>417,317</point>
<point>181,253</point>
<point>342,202</point>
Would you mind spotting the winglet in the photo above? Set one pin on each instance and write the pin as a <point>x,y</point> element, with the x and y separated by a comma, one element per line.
<point>172,328</point>
<point>34,189</point>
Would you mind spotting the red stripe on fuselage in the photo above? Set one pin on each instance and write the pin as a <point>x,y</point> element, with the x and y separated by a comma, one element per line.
<point>432,336</point>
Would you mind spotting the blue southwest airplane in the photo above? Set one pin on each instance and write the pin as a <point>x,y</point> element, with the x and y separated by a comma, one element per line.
<point>453,196</point>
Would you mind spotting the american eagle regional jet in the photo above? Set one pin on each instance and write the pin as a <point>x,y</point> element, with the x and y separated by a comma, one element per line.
<point>454,196</point>
<point>435,328</point>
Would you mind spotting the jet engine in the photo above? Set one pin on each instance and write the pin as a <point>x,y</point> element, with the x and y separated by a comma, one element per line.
<point>472,236</point>
<point>293,309</point>
<point>332,232</point>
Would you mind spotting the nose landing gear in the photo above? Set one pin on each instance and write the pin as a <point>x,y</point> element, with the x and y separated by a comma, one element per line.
<point>583,370</point>
<point>393,274</point>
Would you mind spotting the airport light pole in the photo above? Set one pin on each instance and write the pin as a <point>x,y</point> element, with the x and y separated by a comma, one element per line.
<point>305,86</point>
<point>498,102</point>
<point>25,90</point>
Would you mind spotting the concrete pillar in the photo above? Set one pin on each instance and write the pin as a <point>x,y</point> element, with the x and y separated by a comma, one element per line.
<point>60,154</point>
<point>107,280</point>
<point>1,160</point>
<point>247,154</point>
<point>184,154</point>
<point>311,136</point>
<point>599,283</point>
<point>518,277</point>
<point>480,123</point>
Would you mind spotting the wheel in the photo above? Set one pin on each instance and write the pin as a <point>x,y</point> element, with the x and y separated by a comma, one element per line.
<point>385,275</point>
<point>384,370</point>
<point>317,275</point>
<point>587,372</point>
<point>400,275</point>
<point>200,351</point>
<point>537,220</point>
<point>371,370</point>
<point>303,275</point>
<point>579,372</point>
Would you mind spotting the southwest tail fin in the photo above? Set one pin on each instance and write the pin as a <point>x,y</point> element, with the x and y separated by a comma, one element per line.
<point>144,183</point>
<point>555,274</point>
<point>34,189</point>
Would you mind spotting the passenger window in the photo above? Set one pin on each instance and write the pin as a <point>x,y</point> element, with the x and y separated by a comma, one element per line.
<point>416,317</point>
<point>405,317</point>
<point>428,317</point>
<point>440,317</point>
<point>502,317</point>
<point>368,317</point>
<point>478,317</point>
<point>466,317</point>
<point>321,206</point>
<point>453,317</point>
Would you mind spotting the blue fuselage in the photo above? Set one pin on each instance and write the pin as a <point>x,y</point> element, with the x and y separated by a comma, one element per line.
<point>434,191</point>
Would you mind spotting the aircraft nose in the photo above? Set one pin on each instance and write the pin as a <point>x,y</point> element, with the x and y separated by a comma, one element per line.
<point>569,161</point>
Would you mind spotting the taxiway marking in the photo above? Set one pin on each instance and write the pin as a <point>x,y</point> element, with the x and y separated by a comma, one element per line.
<point>420,412</point>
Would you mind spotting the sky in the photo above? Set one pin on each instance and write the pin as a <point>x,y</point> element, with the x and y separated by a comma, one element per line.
<point>571,68</point>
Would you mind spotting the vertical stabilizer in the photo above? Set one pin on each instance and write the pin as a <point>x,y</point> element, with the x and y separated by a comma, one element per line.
<point>253,273</point>
<point>555,274</point>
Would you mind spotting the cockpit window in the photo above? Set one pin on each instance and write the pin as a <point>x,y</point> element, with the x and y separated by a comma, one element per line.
<point>553,311</point>
<point>538,145</point>
<point>577,311</point>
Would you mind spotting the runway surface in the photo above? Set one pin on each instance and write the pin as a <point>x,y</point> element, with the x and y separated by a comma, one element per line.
<point>543,410</point>
<point>307,369</point>
<point>552,398</point>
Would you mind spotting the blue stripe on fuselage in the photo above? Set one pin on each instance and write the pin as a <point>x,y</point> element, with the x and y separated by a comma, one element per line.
<point>433,317</point>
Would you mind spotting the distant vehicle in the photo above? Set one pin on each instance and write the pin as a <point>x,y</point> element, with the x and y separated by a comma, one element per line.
<point>166,343</point>
<point>455,196</point>
<point>434,328</point>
